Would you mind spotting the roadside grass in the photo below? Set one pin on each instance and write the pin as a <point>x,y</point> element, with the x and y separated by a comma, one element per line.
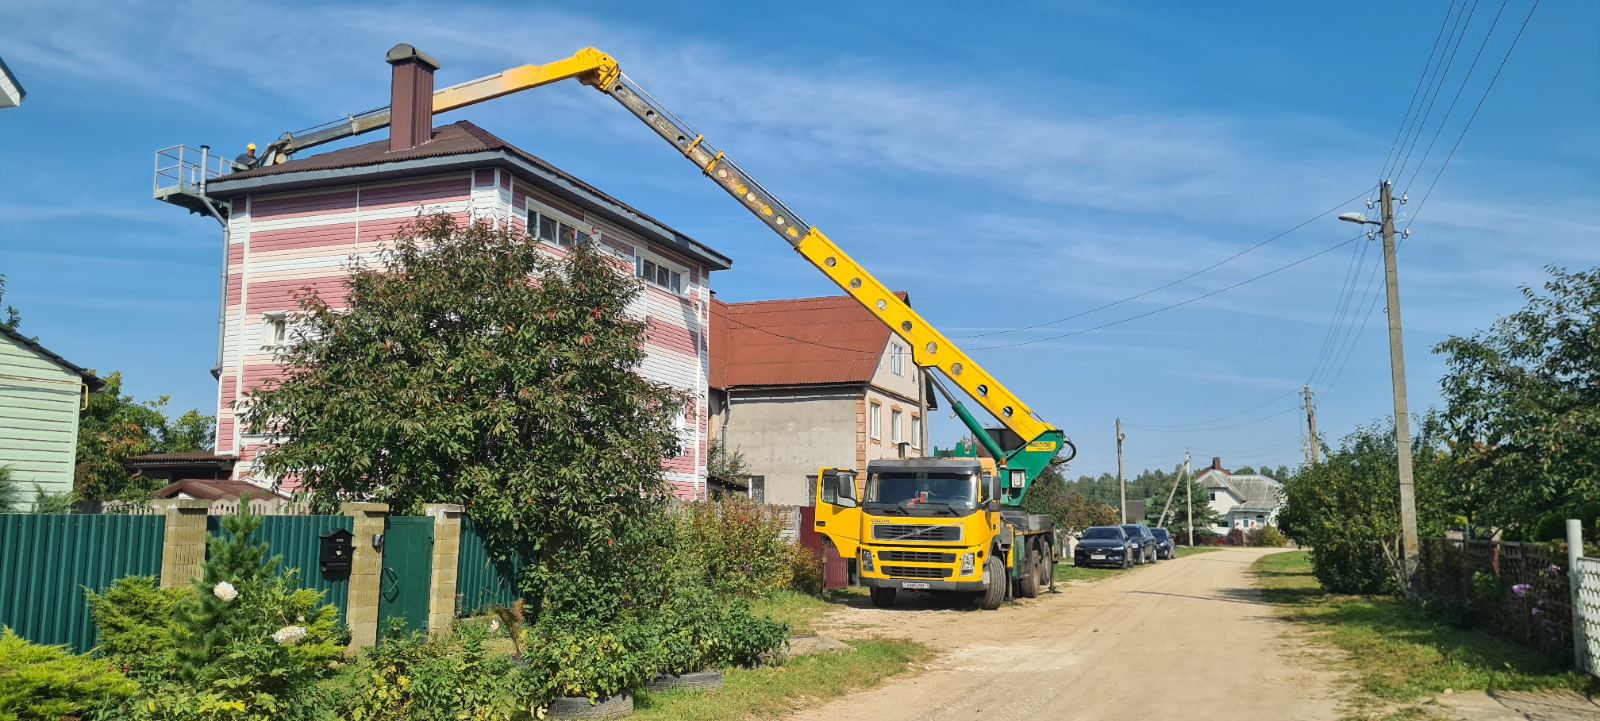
<point>767,692</point>
<point>1395,651</point>
<point>797,609</point>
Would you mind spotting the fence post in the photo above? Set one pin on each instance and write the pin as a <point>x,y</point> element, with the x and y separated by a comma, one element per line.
<point>183,547</point>
<point>366,569</point>
<point>446,558</point>
<point>1580,646</point>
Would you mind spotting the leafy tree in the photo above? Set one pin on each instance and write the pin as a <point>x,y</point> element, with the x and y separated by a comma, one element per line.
<point>469,366</point>
<point>1051,495</point>
<point>1205,517</point>
<point>115,427</point>
<point>11,316</point>
<point>1523,408</point>
<point>1347,508</point>
<point>725,463</point>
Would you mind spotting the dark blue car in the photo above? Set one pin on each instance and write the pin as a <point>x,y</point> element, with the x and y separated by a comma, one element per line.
<point>1165,547</point>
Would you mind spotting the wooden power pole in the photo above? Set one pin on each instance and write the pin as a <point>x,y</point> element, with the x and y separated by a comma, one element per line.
<point>1311,424</point>
<point>1188,496</point>
<point>1122,485</point>
<point>1402,413</point>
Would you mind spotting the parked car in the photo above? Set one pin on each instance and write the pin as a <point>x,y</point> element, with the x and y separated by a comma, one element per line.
<point>1166,548</point>
<point>1103,546</point>
<point>1142,541</point>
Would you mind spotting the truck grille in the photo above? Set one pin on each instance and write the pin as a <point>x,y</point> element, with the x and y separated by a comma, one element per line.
<point>915,557</point>
<point>915,572</point>
<point>909,532</point>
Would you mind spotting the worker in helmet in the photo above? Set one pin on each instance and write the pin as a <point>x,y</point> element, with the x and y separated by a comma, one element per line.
<point>247,159</point>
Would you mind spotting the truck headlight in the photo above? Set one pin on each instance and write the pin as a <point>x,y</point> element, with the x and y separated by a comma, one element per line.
<point>866,561</point>
<point>968,562</point>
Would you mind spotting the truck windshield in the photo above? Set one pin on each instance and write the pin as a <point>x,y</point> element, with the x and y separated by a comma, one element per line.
<point>909,489</point>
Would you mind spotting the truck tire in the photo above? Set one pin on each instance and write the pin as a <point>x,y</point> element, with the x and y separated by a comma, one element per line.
<point>1030,574</point>
<point>883,597</point>
<point>1047,571</point>
<point>995,595</point>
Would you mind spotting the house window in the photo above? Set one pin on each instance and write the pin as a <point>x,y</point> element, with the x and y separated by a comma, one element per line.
<point>1213,495</point>
<point>274,329</point>
<point>758,489</point>
<point>897,360</point>
<point>894,426</point>
<point>916,431</point>
<point>658,275</point>
<point>545,226</point>
<point>875,421</point>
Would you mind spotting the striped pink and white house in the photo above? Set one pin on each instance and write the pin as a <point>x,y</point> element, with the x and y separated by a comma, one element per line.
<point>298,225</point>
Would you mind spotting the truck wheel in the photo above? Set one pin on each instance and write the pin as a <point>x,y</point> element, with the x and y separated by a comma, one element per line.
<point>995,573</point>
<point>1030,576</point>
<point>1047,571</point>
<point>883,597</point>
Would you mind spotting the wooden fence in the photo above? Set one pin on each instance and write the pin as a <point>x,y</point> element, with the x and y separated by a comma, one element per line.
<point>1516,591</point>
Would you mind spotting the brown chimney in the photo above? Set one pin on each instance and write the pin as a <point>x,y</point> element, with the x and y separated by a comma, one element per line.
<point>410,97</point>
<point>1216,464</point>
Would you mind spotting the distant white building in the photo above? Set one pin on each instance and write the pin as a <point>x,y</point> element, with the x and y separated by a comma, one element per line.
<point>1242,500</point>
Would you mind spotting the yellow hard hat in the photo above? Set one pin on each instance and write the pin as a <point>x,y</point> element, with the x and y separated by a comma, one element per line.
<point>251,146</point>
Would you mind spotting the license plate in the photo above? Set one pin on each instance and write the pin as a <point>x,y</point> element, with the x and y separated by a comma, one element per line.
<point>914,584</point>
<point>1097,556</point>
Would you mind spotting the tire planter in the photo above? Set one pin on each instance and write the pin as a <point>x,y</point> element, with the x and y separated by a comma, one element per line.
<point>580,707</point>
<point>700,680</point>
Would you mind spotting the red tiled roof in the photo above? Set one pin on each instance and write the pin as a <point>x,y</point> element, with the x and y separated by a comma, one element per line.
<point>210,490</point>
<point>803,341</point>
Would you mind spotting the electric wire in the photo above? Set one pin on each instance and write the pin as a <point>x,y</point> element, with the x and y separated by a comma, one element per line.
<point>1404,119</point>
<point>1183,426</point>
<point>1165,286</point>
<point>1434,92</point>
<point>1459,89</point>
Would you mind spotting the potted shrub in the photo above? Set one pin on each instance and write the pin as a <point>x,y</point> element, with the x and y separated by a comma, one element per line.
<point>584,671</point>
<point>691,640</point>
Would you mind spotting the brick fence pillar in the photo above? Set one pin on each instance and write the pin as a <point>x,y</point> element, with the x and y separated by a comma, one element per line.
<point>446,554</point>
<point>366,572</point>
<point>183,548</point>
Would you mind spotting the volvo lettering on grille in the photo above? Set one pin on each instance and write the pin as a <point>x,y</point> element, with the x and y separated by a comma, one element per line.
<point>909,532</point>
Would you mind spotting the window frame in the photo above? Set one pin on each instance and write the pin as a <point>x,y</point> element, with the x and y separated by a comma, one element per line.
<point>897,359</point>
<point>675,275</point>
<point>532,208</point>
<point>894,426</point>
<point>875,421</point>
<point>916,431</point>
<point>274,329</point>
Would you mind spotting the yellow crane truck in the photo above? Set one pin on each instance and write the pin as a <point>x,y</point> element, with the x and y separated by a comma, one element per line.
<point>947,524</point>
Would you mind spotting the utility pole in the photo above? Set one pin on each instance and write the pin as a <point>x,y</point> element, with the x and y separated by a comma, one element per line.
<point>1188,496</point>
<point>1311,423</point>
<point>1122,485</point>
<point>1402,413</point>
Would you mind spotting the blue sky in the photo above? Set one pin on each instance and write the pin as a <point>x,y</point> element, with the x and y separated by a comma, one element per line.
<point>1007,167</point>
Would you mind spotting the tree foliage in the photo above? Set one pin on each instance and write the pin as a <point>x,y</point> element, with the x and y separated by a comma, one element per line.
<point>467,365</point>
<point>1051,495</point>
<point>1347,508</point>
<point>1522,409</point>
<point>10,317</point>
<point>115,427</point>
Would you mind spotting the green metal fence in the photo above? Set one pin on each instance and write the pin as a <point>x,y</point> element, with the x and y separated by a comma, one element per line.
<point>47,560</point>
<point>298,540</point>
<point>481,580</point>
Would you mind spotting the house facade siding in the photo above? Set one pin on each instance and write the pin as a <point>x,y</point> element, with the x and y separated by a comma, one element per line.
<point>283,243</point>
<point>39,403</point>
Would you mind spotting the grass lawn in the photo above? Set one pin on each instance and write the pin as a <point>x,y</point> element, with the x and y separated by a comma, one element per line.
<point>1397,653</point>
<point>796,609</point>
<point>767,692</point>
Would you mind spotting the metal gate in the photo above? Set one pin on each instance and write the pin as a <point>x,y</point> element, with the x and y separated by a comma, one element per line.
<point>1586,612</point>
<point>403,587</point>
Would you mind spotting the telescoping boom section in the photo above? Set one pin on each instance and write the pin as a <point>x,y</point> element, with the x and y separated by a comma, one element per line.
<point>930,349</point>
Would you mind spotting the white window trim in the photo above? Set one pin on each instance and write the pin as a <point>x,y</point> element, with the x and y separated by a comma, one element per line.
<point>640,256</point>
<point>897,359</point>
<point>894,425</point>
<point>916,431</point>
<point>533,206</point>
<point>274,323</point>
<point>875,421</point>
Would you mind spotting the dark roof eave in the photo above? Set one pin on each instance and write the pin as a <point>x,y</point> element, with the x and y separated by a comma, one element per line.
<point>224,187</point>
<point>89,379</point>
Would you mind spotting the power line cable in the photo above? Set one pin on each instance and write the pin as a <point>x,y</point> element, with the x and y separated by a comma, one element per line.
<point>1474,116</point>
<point>1159,288</point>
<point>1184,426</point>
<point>1464,80</point>
<point>1341,306</point>
<point>1179,304</point>
<point>1405,119</point>
<point>1434,93</point>
<point>1219,428</point>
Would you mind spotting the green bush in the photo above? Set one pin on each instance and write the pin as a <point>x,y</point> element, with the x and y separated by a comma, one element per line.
<point>1236,537</point>
<point>45,502</point>
<point>690,631</point>
<point>569,657</point>
<point>45,683</point>
<point>749,638</point>
<point>736,544</point>
<point>805,570</point>
<point>137,623</point>
<point>410,676</point>
<point>1354,566</point>
<point>1268,536</point>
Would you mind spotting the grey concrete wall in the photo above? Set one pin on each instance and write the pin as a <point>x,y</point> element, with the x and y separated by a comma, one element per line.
<point>786,435</point>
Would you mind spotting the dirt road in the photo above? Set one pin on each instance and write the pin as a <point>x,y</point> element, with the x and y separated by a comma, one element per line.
<point>1182,637</point>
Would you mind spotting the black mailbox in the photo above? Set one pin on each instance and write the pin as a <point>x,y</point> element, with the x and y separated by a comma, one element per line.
<point>337,551</point>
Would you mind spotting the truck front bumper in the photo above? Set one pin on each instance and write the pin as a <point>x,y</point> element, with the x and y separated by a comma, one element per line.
<point>920,585</point>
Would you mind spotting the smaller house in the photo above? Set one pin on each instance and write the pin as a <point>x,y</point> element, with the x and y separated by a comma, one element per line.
<point>1243,501</point>
<point>170,467</point>
<point>803,383</point>
<point>41,395</point>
